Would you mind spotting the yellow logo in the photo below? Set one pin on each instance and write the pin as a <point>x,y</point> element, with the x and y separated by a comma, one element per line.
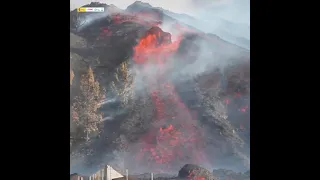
<point>81,9</point>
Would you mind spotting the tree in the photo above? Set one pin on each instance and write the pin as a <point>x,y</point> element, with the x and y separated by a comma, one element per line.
<point>71,76</point>
<point>85,109</point>
<point>123,83</point>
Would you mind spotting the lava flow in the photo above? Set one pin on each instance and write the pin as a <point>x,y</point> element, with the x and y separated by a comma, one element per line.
<point>192,176</point>
<point>177,139</point>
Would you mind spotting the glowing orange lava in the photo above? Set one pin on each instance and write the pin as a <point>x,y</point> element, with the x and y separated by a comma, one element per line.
<point>170,142</point>
<point>150,46</point>
<point>178,138</point>
<point>191,176</point>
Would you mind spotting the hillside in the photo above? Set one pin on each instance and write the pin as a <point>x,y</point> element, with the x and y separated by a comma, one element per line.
<point>171,98</point>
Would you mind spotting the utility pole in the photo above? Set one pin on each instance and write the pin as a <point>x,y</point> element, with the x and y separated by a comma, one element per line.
<point>106,172</point>
<point>110,177</point>
<point>127,174</point>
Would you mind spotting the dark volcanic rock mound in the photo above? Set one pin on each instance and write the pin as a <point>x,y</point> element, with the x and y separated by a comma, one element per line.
<point>195,172</point>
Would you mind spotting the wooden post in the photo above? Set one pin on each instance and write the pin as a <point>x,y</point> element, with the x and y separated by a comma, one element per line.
<point>127,174</point>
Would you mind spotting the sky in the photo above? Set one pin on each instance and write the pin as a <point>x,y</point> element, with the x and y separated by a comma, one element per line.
<point>178,6</point>
<point>232,10</point>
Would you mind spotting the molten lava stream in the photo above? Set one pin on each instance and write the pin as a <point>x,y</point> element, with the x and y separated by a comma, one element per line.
<point>191,176</point>
<point>169,144</point>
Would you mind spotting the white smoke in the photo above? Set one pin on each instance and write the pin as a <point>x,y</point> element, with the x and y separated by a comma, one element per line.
<point>179,6</point>
<point>232,10</point>
<point>229,19</point>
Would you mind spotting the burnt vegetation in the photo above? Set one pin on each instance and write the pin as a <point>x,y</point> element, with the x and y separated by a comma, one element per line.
<point>84,110</point>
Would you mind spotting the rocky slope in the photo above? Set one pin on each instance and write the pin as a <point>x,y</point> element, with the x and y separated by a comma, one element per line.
<point>211,87</point>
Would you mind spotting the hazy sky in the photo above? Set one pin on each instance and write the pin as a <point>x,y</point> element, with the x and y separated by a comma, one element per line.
<point>233,10</point>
